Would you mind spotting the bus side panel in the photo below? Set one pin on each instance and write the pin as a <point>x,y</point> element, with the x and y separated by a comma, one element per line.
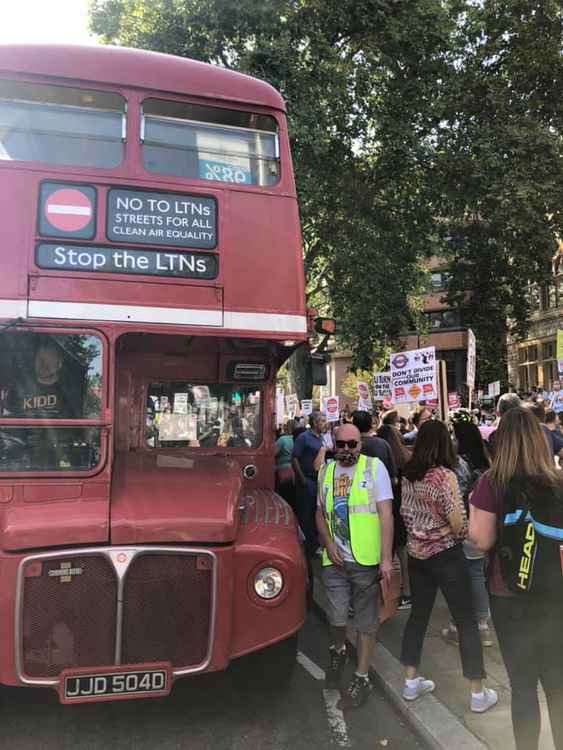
<point>16,237</point>
<point>263,263</point>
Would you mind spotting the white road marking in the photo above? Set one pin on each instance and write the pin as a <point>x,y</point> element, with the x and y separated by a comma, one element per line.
<point>59,208</point>
<point>336,720</point>
<point>314,670</point>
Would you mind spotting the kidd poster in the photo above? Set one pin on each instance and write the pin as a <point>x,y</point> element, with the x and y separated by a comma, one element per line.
<point>413,375</point>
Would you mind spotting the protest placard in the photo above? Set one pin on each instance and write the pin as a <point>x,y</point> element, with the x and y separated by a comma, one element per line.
<point>364,397</point>
<point>471,359</point>
<point>280,407</point>
<point>331,408</point>
<point>454,401</point>
<point>560,351</point>
<point>382,386</point>
<point>413,375</point>
<point>306,406</point>
<point>292,405</point>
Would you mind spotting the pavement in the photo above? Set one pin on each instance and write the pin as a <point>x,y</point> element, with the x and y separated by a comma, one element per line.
<point>443,720</point>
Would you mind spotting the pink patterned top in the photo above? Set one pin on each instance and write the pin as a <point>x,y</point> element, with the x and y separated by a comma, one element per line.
<point>425,505</point>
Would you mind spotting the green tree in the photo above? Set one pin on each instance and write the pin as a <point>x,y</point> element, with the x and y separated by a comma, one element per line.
<point>418,128</point>
<point>498,166</point>
<point>360,79</point>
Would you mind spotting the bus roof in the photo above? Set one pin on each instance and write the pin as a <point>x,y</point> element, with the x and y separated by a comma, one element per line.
<point>137,68</point>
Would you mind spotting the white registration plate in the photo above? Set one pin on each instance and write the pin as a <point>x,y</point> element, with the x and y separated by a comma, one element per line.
<point>79,686</point>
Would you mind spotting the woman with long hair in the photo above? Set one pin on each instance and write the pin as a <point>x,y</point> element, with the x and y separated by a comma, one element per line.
<point>473,461</point>
<point>529,626</point>
<point>436,522</point>
<point>401,454</point>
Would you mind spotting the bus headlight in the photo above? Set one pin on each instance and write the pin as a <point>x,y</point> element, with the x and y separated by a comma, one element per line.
<point>268,583</point>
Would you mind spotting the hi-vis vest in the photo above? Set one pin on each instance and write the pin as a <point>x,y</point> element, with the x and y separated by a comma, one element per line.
<point>363,518</point>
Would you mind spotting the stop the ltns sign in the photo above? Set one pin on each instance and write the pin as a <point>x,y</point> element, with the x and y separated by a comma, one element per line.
<point>67,210</point>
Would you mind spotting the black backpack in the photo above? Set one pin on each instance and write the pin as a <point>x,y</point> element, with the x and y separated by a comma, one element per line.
<point>530,540</point>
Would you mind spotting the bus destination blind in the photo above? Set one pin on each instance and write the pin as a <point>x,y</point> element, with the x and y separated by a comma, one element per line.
<point>184,265</point>
<point>173,219</point>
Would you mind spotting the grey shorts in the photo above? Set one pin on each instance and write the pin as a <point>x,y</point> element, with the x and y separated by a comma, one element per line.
<point>353,586</point>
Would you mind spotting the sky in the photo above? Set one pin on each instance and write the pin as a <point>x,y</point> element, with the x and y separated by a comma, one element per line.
<point>62,21</point>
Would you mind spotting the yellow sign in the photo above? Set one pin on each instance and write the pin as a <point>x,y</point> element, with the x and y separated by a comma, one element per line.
<point>560,344</point>
<point>414,391</point>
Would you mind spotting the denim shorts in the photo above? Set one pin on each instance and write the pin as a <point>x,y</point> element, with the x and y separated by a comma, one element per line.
<point>355,586</point>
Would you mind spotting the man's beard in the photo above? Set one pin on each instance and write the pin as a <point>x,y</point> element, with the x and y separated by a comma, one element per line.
<point>346,458</point>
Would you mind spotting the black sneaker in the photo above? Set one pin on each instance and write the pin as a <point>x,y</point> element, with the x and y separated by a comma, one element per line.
<point>405,602</point>
<point>357,692</point>
<point>337,660</point>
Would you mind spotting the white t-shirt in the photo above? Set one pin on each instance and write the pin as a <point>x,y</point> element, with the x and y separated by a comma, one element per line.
<point>378,490</point>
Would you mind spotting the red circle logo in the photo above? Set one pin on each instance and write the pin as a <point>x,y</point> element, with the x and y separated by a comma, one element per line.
<point>400,361</point>
<point>332,406</point>
<point>121,557</point>
<point>68,210</point>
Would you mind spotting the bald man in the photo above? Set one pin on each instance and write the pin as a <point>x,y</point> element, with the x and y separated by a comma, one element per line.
<point>355,522</point>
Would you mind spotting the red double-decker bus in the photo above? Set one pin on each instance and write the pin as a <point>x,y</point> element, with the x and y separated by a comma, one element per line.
<point>151,285</point>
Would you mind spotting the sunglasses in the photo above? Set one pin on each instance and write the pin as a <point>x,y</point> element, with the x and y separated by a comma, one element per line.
<point>347,444</point>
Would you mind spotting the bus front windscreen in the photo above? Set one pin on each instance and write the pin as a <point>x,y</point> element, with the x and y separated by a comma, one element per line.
<point>224,415</point>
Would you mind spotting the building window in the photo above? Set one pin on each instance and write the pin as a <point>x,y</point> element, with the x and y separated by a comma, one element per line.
<point>551,296</point>
<point>549,373</point>
<point>534,296</point>
<point>439,280</point>
<point>536,370</point>
<point>443,319</point>
<point>548,350</point>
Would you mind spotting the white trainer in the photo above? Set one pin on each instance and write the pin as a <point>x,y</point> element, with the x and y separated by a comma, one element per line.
<point>481,704</point>
<point>422,687</point>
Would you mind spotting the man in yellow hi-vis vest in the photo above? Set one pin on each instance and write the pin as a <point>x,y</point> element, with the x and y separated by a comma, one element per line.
<point>355,523</point>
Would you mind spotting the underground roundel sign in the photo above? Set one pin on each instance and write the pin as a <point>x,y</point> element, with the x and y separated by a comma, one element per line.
<point>67,210</point>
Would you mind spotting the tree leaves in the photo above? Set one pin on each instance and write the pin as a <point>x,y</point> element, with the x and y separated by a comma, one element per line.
<point>418,127</point>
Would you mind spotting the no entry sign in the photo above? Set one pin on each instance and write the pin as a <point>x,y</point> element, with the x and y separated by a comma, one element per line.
<point>67,210</point>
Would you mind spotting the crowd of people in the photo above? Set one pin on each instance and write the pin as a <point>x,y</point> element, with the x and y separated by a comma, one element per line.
<point>472,508</point>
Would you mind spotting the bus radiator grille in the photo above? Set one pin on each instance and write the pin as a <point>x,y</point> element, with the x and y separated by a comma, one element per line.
<point>167,610</point>
<point>69,614</point>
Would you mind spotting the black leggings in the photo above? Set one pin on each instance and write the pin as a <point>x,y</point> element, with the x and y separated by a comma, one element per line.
<point>448,572</point>
<point>530,636</point>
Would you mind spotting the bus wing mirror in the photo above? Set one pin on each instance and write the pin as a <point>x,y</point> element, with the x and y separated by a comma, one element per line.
<point>325,325</point>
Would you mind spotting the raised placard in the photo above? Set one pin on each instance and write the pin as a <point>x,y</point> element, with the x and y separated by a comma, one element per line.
<point>173,219</point>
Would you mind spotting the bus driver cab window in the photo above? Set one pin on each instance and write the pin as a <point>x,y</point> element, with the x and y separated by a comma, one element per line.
<point>41,393</point>
<point>46,378</point>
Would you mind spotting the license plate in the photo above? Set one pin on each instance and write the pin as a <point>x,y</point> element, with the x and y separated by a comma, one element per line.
<point>114,683</point>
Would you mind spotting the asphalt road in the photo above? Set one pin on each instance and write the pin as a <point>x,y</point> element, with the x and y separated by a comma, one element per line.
<point>210,712</point>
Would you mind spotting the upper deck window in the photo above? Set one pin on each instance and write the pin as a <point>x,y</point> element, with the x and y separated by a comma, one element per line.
<point>60,125</point>
<point>209,143</point>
